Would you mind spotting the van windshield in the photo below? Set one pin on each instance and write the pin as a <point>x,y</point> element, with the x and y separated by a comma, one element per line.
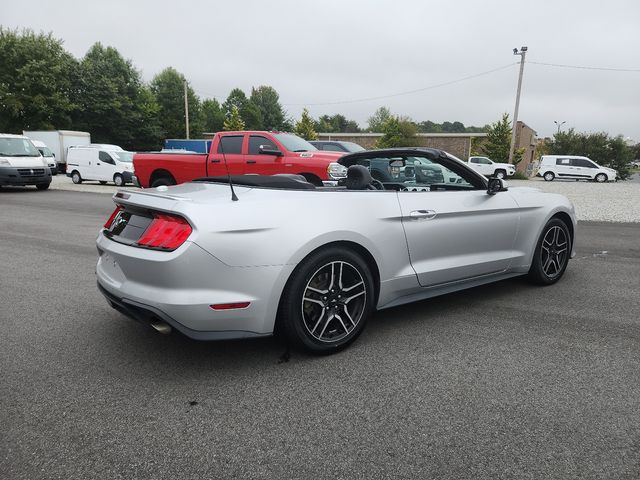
<point>126,157</point>
<point>17,147</point>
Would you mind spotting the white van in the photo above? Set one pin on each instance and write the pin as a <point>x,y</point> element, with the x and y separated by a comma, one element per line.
<point>104,163</point>
<point>47,154</point>
<point>573,167</point>
<point>21,163</point>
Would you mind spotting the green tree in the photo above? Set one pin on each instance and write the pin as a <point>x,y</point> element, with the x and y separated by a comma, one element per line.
<point>305,126</point>
<point>248,111</point>
<point>113,104</point>
<point>212,116</point>
<point>398,132</point>
<point>234,122</point>
<point>378,119</point>
<point>168,88</point>
<point>267,101</point>
<point>612,152</point>
<point>36,82</point>
<point>496,145</point>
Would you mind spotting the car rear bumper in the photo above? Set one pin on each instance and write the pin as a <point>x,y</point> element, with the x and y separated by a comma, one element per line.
<point>24,176</point>
<point>180,288</point>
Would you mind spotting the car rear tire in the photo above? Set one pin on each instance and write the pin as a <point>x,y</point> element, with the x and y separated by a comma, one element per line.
<point>500,174</point>
<point>601,178</point>
<point>327,300</point>
<point>75,177</point>
<point>118,180</point>
<point>549,176</point>
<point>42,186</point>
<point>552,253</point>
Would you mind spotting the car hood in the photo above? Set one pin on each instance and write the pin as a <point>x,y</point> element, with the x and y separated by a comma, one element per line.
<point>19,162</point>
<point>318,155</point>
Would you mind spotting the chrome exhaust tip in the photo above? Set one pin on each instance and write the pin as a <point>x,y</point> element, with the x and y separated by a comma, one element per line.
<point>160,326</point>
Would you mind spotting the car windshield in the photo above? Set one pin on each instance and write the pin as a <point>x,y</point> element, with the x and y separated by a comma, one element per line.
<point>17,147</point>
<point>353,147</point>
<point>120,156</point>
<point>293,143</point>
<point>45,151</point>
<point>417,172</point>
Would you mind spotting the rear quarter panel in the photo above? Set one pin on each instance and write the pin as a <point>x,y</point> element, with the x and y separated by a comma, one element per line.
<point>182,166</point>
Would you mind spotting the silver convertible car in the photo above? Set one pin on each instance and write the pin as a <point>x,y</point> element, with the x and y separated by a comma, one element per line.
<point>244,256</point>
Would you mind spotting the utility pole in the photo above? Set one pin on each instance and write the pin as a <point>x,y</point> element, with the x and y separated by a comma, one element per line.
<point>522,53</point>
<point>186,109</point>
<point>559,124</point>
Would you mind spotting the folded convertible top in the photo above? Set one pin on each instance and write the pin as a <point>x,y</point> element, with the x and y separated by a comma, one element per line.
<point>281,181</point>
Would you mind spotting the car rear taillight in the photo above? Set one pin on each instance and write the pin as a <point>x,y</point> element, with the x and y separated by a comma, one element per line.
<point>166,232</point>
<point>112,217</point>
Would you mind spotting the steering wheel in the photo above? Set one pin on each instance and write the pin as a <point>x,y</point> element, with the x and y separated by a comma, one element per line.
<point>375,185</point>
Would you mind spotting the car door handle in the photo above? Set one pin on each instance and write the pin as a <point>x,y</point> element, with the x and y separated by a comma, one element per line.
<point>251,161</point>
<point>215,161</point>
<point>422,214</point>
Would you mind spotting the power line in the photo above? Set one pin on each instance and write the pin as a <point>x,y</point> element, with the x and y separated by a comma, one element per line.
<point>582,67</point>
<point>409,92</point>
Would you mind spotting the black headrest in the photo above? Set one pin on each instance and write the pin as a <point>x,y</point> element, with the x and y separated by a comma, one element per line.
<point>358,177</point>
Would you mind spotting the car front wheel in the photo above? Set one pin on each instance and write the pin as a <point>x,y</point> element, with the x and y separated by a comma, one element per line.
<point>118,180</point>
<point>552,253</point>
<point>601,178</point>
<point>75,177</point>
<point>500,174</point>
<point>327,301</point>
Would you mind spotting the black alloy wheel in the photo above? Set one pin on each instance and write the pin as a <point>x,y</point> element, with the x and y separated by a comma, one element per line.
<point>327,301</point>
<point>552,253</point>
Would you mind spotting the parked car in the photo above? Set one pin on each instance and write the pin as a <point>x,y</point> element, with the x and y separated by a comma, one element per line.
<point>489,168</point>
<point>47,154</point>
<point>335,146</point>
<point>573,167</point>
<point>244,152</point>
<point>21,163</point>
<point>316,262</point>
<point>104,163</point>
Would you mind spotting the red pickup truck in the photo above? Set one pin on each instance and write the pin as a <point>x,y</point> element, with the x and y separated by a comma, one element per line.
<point>264,153</point>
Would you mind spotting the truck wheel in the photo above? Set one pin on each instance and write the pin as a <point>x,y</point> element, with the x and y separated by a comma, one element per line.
<point>311,178</point>
<point>163,181</point>
<point>118,180</point>
<point>500,174</point>
<point>42,186</point>
<point>75,177</point>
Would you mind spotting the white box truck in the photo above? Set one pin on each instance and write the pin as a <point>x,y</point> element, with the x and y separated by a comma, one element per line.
<point>59,141</point>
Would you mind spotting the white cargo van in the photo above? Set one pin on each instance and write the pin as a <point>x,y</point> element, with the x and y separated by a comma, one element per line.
<point>21,163</point>
<point>573,167</point>
<point>47,154</point>
<point>104,163</point>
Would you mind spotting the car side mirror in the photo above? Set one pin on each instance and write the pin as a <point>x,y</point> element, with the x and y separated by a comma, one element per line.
<point>496,185</point>
<point>269,150</point>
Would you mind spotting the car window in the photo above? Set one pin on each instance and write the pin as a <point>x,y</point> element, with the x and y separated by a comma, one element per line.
<point>256,140</point>
<point>421,173</point>
<point>105,157</point>
<point>231,144</point>
<point>563,161</point>
<point>332,148</point>
<point>582,162</point>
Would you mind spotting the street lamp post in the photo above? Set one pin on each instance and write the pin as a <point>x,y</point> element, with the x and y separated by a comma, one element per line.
<point>559,124</point>
<point>522,53</point>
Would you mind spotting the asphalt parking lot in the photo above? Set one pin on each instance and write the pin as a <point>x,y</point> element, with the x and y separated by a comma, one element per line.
<point>502,381</point>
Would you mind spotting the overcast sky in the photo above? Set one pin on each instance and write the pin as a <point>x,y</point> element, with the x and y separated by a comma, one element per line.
<point>315,53</point>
